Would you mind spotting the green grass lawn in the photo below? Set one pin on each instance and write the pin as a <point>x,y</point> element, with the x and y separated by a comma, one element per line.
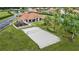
<point>64,44</point>
<point>13,39</point>
<point>16,40</point>
<point>39,23</point>
<point>4,15</point>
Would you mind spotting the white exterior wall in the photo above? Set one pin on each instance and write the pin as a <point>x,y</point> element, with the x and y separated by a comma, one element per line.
<point>31,20</point>
<point>38,19</point>
<point>25,22</point>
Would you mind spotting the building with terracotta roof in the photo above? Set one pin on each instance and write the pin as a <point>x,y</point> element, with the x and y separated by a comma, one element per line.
<point>28,17</point>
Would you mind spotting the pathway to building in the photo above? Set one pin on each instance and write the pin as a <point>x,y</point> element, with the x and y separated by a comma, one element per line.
<point>41,37</point>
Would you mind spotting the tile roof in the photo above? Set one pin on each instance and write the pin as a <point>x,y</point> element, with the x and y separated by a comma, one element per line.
<point>28,16</point>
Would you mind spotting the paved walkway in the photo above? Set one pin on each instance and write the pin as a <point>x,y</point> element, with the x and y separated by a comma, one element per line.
<point>40,37</point>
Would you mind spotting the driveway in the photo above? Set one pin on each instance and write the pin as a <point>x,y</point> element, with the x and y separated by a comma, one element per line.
<point>40,37</point>
<point>6,22</point>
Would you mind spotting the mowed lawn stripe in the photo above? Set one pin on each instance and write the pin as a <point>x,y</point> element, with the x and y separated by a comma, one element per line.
<point>13,39</point>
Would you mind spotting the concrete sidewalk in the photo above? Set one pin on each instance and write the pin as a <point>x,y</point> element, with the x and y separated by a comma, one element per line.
<point>40,37</point>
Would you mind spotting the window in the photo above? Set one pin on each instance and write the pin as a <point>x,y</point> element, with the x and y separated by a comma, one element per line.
<point>26,20</point>
<point>39,18</point>
<point>36,19</point>
<point>29,20</point>
<point>33,20</point>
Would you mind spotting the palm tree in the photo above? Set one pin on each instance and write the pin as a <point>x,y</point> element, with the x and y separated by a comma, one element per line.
<point>70,24</point>
<point>68,21</point>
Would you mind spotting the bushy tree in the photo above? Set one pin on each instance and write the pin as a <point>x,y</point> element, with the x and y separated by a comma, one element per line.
<point>71,24</point>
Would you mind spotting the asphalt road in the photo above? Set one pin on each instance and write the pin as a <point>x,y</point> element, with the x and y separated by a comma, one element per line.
<point>6,22</point>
